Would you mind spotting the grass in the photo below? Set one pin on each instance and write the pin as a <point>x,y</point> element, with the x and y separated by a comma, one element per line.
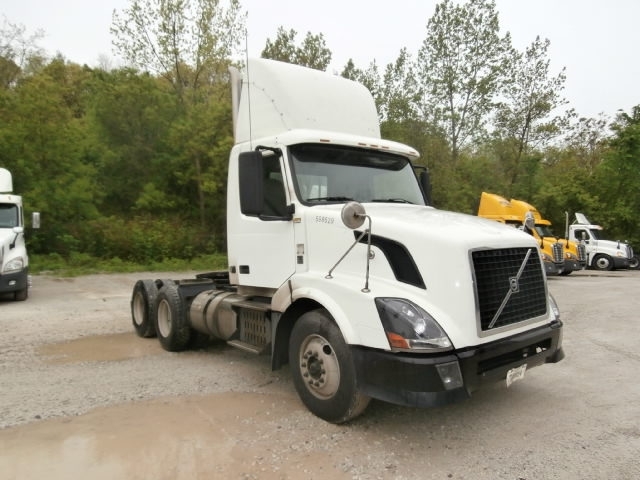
<point>81,264</point>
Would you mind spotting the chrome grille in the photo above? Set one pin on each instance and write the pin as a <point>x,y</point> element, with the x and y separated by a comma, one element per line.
<point>495,273</point>
<point>558,253</point>
<point>582,253</point>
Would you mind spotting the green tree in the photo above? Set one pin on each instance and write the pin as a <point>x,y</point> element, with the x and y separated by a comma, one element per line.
<point>132,115</point>
<point>18,50</point>
<point>460,69</point>
<point>619,177</point>
<point>51,152</point>
<point>312,52</point>
<point>524,118</point>
<point>188,43</point>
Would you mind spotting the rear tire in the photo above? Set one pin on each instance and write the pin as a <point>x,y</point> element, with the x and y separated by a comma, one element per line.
<point>172,327</point>
<point>323,370</point>
<point>143,306</point>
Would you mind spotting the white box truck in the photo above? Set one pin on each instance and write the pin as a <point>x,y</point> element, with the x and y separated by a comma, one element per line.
<point>338,267</point>
<point>14,261</point>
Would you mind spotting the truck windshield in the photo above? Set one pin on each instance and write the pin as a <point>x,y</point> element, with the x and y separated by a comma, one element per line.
<point>328,173</point>
<point>8,215</point>
<point>544,231</point>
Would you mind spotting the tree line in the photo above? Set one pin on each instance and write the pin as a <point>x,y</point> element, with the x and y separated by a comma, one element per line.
<point>130,162</point>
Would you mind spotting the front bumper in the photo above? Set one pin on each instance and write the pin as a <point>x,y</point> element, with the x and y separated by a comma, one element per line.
<point>413,380</point>
<point>552,268</point>
<point>573,265</point>
<point>14,282</point>
<point>621,263</point>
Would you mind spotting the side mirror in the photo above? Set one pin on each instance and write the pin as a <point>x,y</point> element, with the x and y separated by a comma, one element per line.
<point>353,215</point>
<point>35,220</point>
<point>250,172</point>
<point>425,183</point>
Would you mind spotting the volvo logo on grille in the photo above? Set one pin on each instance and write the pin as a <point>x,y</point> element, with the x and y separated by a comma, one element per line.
<point>514,287</point>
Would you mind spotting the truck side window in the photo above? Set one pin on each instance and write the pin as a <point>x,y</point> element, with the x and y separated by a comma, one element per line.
<point>275,202</point>
<point>8,216</point>
<point>582,235</point>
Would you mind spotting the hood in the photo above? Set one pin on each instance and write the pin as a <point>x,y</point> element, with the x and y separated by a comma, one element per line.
<point>430,236</point>
<point>418,253</point>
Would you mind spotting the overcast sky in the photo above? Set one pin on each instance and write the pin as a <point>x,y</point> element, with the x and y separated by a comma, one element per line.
<point>596,40</point>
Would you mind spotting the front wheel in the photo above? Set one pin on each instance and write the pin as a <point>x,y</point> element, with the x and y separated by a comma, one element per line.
<point>634,263</point>
<point>603,262</point>
<point>323,370</point>
<point>21,295</point>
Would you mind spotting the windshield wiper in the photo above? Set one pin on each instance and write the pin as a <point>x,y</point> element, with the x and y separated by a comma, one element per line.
<point>391,200</point>
<point>329,199</point>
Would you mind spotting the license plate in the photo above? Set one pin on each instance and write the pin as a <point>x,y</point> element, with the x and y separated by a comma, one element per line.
<point>516,374</point>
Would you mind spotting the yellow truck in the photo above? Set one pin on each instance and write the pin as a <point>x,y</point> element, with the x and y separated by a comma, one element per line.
<point>575,255</point>
<point>498,208</point>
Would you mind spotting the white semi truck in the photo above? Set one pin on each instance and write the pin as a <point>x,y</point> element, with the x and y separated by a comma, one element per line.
<point>338,267</point>
<point>14,261</point>
<point>601,254</point>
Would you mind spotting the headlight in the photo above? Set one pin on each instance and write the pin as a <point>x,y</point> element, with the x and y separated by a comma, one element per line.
<point>409,327</point>
<point>554,307</point>
<point>14,265</point>
<point>546,257</point>
<point>570,255</point>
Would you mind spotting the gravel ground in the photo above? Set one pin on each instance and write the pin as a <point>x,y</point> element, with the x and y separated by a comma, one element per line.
<point>84,397</point>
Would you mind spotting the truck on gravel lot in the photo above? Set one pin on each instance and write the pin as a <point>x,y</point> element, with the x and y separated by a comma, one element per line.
<point>601,254</point>
<point>575,254</point>
<point>338,267</point>
<point>513,213</point>
<point>14,261</point>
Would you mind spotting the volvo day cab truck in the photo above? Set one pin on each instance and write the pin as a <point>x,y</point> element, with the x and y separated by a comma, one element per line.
<point>601,254</point>
<point>14,261</point>
<point>498,208</point>
<point>338,267</point>
<point>574,253</point>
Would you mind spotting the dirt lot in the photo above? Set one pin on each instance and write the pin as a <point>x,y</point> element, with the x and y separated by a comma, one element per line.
<point>83,397</point>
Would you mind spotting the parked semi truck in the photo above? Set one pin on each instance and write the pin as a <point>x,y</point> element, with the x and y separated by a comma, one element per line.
<point>338,267</point>
<point>14,261</point>
<point>601,254</point>
<point>513,213</point>
<point>574,253</point>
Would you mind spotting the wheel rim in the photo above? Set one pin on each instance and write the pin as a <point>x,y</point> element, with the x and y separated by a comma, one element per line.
<point>139,307</point>
<point>319,367</point>
<point>164,318</point>
<point>603,263</point>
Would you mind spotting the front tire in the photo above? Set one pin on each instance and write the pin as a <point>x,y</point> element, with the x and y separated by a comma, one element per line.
<point>323,370</point>
<point>143,312</point>
<point>21,295</point>
<point>172,327</point>
<point>603,262</point>
<point>634,263</point>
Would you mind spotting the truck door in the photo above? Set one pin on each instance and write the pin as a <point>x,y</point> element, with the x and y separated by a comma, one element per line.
<point>261,236</point>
